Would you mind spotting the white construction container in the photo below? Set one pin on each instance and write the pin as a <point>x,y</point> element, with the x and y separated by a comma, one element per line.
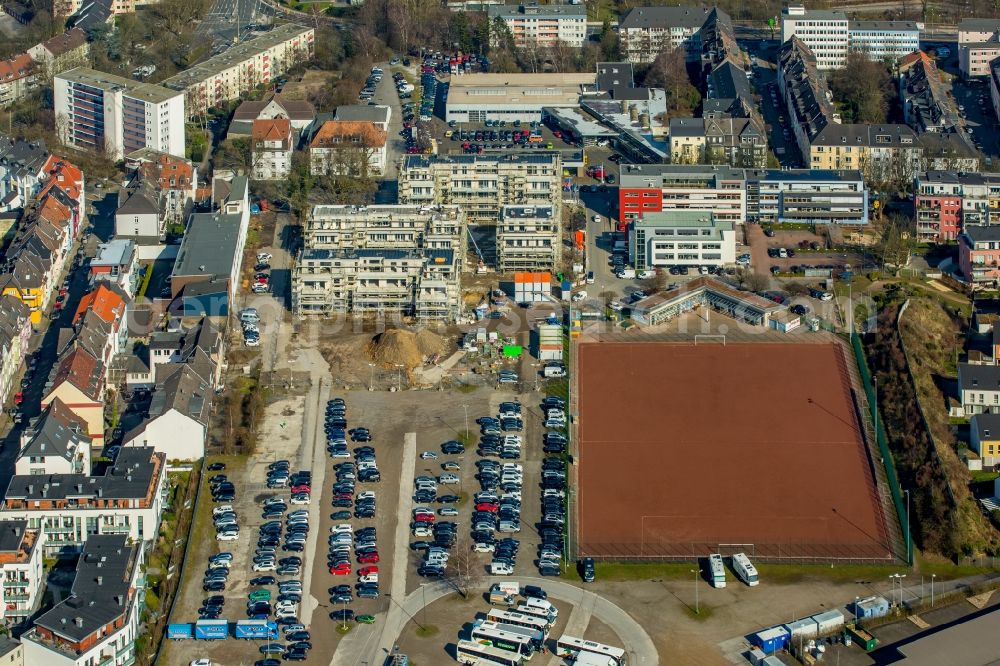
<point>804,628</point>
<point>828,622</point>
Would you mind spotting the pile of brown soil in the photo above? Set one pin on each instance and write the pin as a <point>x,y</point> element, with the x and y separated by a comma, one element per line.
<point>396,347</point>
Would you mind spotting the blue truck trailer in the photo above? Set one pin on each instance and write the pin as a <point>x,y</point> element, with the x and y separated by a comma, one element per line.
<point>211,630</point>
<point>180,631</point>
<point>256,629</point>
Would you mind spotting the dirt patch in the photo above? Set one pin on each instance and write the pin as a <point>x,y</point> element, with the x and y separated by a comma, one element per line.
<point>312,80</point>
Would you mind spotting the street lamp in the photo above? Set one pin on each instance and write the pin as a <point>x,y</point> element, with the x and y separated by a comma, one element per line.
<point>399,376</point>
<point>466,408</point>
<point>933,576</point>
<point>696,572</point>
<point>371,378</point>
<point>909,538</point>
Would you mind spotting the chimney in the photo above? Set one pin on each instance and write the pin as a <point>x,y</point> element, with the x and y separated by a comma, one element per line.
<point>78,621</point>
<point>100,580</point>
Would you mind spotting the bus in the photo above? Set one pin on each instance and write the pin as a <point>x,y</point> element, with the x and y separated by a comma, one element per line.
<point>716,570</point>
<point>536,636</point>
<point>469,652</point>
<point>570,647</point>
<point>519,620</point>
<point>541,614</point>
<point>744,569</point>
<point>488,633</point>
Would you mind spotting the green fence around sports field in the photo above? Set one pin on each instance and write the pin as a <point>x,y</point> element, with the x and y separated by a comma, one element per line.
<point>883,444</point>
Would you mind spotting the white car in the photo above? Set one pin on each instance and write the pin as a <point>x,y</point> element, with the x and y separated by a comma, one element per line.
<point>484,548</point>
<point>617,306</point>
<point>225,508</point>
<point>428,455</point>
<point>264,256</point>
<point>645,275</point>
<point>370,578</point>
<point>252,342</point>
<point>579,296</point>
<point>449,479</point>
<point>447,511</point>
<point>300,500</point>
<point>265,566</point>
<point>422,531</point>
<point>597,219</point>
<point>501,569</point>
<point>227,536</point>
<point>366,494</point>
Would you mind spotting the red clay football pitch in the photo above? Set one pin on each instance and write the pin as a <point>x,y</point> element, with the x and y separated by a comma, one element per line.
<point>687,449</point>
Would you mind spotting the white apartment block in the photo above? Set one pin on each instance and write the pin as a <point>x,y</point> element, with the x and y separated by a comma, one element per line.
<point>256,61</point>
<point>682,238</point>
<point>272,145</point>
<point>645,31</point>
<point>978,45</point>
<point>385,227</point>
<point>98,623</point>
<point>67,508</point>
<point>543,25</point>
<point>529,238</point>
<point>21,571</point>
<point>114,115</point>
<point>721,190</point>
<point>885,40</point>
<point>482,184</point>
<point>826,33</point>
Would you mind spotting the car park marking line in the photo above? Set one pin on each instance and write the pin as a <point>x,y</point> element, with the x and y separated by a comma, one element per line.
<point>318,467</point>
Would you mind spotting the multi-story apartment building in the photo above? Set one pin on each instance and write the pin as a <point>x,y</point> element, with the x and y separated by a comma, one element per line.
<point>646,31</point>
<point>978,46</point>
<point>115,116</point>
<point>926,105</point>
<point>681,238</point>
<point>15,337</point>
<point>22,574</point>
<point>98,623</point>
<point>831,36</point>
<point>387,259</point>
<point>979,254</point>
<point>826,33</point>
<point>254,62</point>
<point>529,238</point>
<point>483,184</point>
<point>126,500</point>
<point>534,25</point>
<point>348,148</point>
<point>21,172</point>
<point>806,196</point>
<point>884,41</point>
<point>65,51</point>
<point>979,388</point>
<point>19,77</point>
<point>945,202</point>
<point>649,188</point>
<point>271,144</point>
<point>55,442</point>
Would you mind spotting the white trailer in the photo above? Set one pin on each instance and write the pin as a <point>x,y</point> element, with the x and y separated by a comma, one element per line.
<point>716,570</point>
<point>745,570</point>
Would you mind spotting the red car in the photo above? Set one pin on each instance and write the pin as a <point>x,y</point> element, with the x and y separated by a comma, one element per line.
<point>341,570</point>
<point>301,488</point>
<point>486,506</point>
<point>18,398</point>
<point>368,558</point>
<point>364,571</point>
<point>424,517</point>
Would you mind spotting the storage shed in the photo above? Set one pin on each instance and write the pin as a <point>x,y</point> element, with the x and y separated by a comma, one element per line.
<point>771,640</point>
<point>870,607</point>
<point>829,622</point>
<point>804,628</point>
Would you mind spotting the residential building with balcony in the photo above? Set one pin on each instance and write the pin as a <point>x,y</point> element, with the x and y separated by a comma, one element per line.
<point>116,262</point>
<point>115,116</point>
<point>127,499</point>
<point>173,179</point>
<point>529,238</point>
<point>15,337</point>
<point>979,254</point>
<point>651,188</point>
<point>98,624</point>
<point>348,148</point>
<point>681,238</point>
<point>56,442</point>
<point>21,173</point>
<point>18,78</point>
<point>271,145</point>
<point>22,573</point>
<point>534,25</point>
<point>256,61</point>
<point>646,31</point>
<point>483,184</point>
<point>385,227</point>
<point>806,196</point>
<point>945,202</point>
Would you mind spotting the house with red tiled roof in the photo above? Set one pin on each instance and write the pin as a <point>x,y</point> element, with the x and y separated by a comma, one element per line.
<point>348,148</point>
<point>111,305</point>
<point>271,142</point>
<point>78,380</point>
<point>18,78</point>
<point>175,179</point>
<point>60,174</point>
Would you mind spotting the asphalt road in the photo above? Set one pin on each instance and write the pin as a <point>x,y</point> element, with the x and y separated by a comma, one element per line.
<point>980,119</point>
<point>225,16</point>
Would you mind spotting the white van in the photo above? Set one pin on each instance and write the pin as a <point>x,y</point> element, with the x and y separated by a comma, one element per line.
<point>541,605</point>
<point>249,316</point>
<point>501,569</point>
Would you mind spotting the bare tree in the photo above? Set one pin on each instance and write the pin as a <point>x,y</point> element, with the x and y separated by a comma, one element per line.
<point>656,283</point>
<point>465,568</point>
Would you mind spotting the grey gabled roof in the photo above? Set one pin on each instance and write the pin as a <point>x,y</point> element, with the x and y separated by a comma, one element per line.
<point>660,17</point>
<point>138,198</point>
<point>209,245</point>
<point>973,377</point>
<point>57,432</point>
